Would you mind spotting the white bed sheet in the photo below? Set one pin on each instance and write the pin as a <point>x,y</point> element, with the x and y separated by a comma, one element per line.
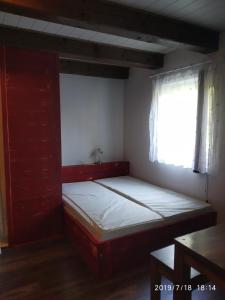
<point>104,213</point>
<point>168,204</point>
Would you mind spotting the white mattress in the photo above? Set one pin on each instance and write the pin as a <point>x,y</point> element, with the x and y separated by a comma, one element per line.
<point>104,213</point>
<point>168,204</point>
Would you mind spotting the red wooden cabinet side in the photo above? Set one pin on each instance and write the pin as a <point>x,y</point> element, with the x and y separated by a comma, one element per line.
<point>31,112</point>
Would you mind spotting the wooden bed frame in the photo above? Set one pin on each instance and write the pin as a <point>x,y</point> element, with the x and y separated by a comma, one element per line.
<point>107,258</point>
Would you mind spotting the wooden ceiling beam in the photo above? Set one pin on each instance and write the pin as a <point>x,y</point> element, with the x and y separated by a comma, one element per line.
<point>79,49</point>
<point>97,70</point>
<point>108,17</point>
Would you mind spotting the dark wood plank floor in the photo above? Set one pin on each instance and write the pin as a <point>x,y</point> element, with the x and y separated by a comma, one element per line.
<point>53,271</point>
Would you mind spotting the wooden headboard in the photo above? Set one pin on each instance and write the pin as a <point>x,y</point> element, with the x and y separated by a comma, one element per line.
<point>94,171</point>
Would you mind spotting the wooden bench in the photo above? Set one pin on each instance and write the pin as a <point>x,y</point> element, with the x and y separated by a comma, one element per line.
<point>162,264</point>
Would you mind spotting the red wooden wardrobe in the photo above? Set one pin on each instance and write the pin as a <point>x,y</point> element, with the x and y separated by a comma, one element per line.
<point>32,149</point>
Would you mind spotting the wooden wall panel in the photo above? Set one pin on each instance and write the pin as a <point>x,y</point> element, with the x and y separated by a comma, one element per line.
<point>3,212</point>
<point>32,135</point>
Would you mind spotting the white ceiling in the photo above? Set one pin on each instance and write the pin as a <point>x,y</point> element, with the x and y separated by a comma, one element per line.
<point>208,13</point>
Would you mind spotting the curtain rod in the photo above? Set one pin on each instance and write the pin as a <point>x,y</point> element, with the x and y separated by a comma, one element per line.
<point>179,69</point>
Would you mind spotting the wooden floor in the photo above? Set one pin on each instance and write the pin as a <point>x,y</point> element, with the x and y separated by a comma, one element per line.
<point>53,271</point>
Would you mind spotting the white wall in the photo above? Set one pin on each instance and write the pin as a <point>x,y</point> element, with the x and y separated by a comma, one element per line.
<point>137,107</point>
<point>91,116</point>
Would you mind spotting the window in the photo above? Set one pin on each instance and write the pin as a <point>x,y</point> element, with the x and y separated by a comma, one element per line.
<point>173,119</point>
<point>180,120</point>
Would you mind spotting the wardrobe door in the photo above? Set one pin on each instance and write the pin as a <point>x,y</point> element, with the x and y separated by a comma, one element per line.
<point>32,141</point>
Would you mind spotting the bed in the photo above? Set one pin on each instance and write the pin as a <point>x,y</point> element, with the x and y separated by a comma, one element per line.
<point>106,214</point>
<point>168,204</point>
<point>115,220</point>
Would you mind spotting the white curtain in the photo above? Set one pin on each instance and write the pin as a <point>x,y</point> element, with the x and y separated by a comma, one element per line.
<point>172,121</point>
<point>206,121</point>
<point>214,111</point>
<point>196,145</point>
